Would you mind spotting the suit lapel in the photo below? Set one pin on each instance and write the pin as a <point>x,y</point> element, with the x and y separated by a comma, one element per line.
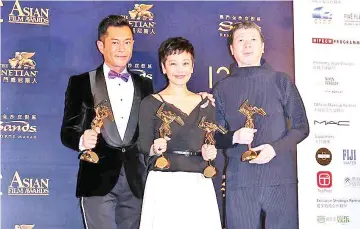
<point>133,118</point>
<point>101,93</point>
<point>110,131</point>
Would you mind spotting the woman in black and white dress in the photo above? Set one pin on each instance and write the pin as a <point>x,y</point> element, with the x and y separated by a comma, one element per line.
<point>179,197</point>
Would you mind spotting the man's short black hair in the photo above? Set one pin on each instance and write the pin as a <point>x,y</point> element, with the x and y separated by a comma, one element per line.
<point>112,20</point>
<point>244,25</point>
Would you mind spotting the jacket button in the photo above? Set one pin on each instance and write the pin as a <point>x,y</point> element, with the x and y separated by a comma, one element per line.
<point>123,150</point>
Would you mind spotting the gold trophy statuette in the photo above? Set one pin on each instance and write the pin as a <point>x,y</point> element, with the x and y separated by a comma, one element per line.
<point>249,111</point>
<point>102,112</point>
<point>209,128</point>
<point>167,117</point>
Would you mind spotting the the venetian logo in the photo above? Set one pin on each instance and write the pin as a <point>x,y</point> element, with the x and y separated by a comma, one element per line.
<point>18,126</point>
<point>28,15</point>
<point>20,69</point>
<point>227,21</point>
<point>22,60</point>
<point>28,186</point>
<point>141,12</point>
<point>141,19</point>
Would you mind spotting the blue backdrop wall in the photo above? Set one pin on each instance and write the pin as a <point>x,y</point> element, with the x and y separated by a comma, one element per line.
<point>44,43</point>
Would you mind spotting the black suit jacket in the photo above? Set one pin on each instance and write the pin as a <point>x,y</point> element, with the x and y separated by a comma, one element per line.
<point>99,179</point>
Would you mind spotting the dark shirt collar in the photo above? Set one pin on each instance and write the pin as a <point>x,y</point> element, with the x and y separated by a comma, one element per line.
<point>251,71</point>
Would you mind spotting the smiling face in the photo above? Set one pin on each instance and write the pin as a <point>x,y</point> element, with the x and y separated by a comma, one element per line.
<point>116,46</point>
<point>247,47</point>
<point>178,67</point>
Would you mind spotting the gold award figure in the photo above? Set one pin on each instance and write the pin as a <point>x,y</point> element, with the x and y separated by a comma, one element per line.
<point>209,128</point>
<point>249,111</point>
<point>167,117</point>
<point>102,112</point>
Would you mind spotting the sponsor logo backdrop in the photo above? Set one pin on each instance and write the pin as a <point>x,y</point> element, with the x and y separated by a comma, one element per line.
<point>327,49</point>
<point>44,43</point>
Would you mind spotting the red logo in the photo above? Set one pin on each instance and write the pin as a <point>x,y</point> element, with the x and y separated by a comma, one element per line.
<point>324,179</point>
<point>322,41</point>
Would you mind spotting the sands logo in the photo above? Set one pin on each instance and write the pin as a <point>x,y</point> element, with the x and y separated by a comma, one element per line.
<point>20,69</point>
<point>28,186</point>
<point>18,126</point>
<point>28,15</point>
<point>141,19</point>
<point>227,21</point>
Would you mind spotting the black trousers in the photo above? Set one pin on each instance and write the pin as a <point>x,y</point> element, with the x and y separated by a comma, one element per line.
<point>119,209</point>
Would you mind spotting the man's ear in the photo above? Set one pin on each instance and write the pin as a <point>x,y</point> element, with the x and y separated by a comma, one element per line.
<point>100,46</point>
<point>231,50</point>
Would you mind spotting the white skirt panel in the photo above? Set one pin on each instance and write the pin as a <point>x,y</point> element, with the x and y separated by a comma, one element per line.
<point>179,200</point>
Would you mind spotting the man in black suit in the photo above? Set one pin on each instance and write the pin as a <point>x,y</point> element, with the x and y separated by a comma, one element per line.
<point>111,190</point>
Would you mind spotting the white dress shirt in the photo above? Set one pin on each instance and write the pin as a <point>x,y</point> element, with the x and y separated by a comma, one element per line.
<point>121,96</point>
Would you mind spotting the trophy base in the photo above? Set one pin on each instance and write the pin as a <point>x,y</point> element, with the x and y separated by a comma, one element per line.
<point>210,171</point>
<point>249,155</point>
<point>162,163</point>
<point>90,156</point>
